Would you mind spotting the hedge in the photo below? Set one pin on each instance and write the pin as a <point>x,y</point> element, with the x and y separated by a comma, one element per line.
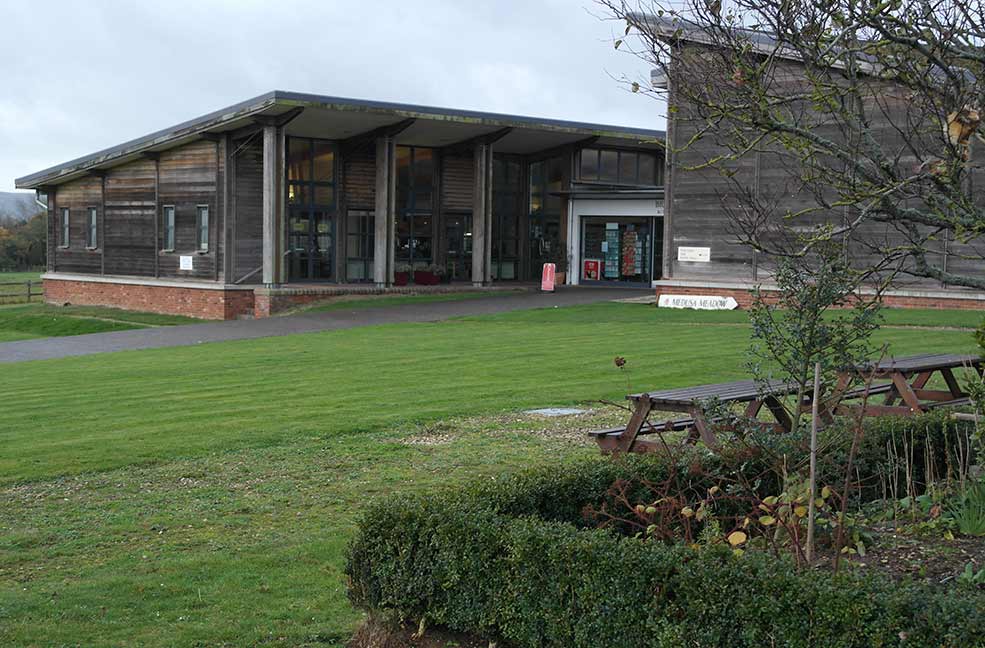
<point>507,559</point>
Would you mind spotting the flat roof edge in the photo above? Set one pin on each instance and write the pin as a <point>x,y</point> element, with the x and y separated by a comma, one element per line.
<point>286,98</point>
<point>184,129</point>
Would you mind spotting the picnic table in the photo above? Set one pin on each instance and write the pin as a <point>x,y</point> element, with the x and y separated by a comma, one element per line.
<point>898,379</point>
<point>903,381</point>
<point>692,401</point>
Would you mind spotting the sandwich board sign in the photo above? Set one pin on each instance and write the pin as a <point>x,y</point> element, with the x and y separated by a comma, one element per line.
<point>547,278</point>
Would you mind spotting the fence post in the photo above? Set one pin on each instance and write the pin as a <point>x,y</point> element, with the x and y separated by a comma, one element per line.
<point>28,291</point>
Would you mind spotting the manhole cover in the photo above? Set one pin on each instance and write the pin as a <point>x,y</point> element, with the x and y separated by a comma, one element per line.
<point>555,411</point>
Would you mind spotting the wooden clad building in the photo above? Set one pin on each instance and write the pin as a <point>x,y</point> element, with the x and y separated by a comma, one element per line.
<point>288,197</point>
<point>701,254</point>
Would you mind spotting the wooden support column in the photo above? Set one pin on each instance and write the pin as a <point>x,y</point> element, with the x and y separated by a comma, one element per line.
<point>271,238</point>
<point>101,225</point>
<point>482,216</point>
<point>54,223</point>
<point>228,209</point>
<point>386,202</point>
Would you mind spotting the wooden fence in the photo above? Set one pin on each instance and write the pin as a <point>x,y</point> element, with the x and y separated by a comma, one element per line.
<point>13,292</point>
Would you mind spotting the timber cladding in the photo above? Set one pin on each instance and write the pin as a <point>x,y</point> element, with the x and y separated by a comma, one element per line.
<point>189,178</point>
<point>78,197</point>
<point>129,220</point>
<point>703,202</point>
<point>457,182</point>
<point>359,178</point>
<point>248,212</point>
<point>129,201</point>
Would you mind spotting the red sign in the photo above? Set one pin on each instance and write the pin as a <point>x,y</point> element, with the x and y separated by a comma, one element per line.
<point>591,269</point>
<point>547,279</point>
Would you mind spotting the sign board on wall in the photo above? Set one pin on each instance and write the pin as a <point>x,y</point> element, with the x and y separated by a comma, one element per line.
<point>699,254</point>
<point>592,270</point>
<point>699,302</point>
<point>186,263</point>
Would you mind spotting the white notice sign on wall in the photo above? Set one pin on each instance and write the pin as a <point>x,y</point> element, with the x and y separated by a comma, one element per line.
<point>699,254</point>
<point>186,263</point>
<point>699,302</point>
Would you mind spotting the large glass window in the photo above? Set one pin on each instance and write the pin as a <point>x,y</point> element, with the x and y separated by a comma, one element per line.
<point>618,167</point>
<point>458,231</point>
<point>617,249</point>
<point>506,211</point>
<point>415,202</point>
<point>359,246</point>
<point>311,203</point>
<point>545,213</point>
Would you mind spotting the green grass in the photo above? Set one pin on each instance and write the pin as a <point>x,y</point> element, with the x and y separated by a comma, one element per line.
<point>357,303</point>
<point>6,277</point>
<point>28,321</point>
<point>204,495</point>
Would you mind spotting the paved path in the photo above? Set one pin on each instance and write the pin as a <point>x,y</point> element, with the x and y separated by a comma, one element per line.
<point>171,336</point>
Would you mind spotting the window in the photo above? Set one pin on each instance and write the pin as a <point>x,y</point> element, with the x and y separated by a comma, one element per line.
<point>65,227</point>
<point>92,229</point>
<point>202,228</point>
<point>544,235</point>
<point>507,208</point>
<point>360,237</point>
<point>618,167</point>
<point>415,198</point>
<point>169,228</point>
<point>311,199</point>
<point>310,172</point>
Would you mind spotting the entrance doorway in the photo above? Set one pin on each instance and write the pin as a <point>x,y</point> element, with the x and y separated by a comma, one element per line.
<point>311,245</point>
<point>618,251</point>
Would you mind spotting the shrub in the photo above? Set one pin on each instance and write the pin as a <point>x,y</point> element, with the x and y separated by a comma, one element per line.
<point>511,558</point>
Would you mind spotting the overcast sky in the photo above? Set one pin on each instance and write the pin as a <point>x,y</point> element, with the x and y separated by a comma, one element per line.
<point>77,77</point>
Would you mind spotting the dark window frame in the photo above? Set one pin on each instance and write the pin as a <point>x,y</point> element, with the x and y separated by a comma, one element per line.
<point>92,228</point>
<point>202,229</point>
<point>364,236</point>
<point>170,228</point>
<point>410,213</point>
<point>634,181</point>
<point>66,227</point>
<point>302,195</point>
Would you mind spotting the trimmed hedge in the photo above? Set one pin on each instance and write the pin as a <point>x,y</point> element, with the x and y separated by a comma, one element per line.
<point>507,559</point>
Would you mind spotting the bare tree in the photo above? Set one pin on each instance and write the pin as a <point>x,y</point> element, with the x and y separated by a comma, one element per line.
<point>872,107</point>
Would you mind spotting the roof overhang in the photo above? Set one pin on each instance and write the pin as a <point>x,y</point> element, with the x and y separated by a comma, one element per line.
<point>675,29</point>
<point>612,194</point>
<point>338,118</point>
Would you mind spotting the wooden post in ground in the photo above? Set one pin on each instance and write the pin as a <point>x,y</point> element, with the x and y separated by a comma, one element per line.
<point>813,473</point>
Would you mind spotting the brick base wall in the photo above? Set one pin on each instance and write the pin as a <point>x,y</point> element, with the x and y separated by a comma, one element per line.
<point>203,303</point>
<point>744,298</point>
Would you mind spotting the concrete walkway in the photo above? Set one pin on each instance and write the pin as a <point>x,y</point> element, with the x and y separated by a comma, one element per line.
<point>172,336</point>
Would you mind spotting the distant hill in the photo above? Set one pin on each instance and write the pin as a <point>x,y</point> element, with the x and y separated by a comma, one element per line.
<point>18,205</point>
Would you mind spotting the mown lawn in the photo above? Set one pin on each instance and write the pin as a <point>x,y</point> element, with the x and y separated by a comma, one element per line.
<point>6,277</point>
<point>373,301</point>
<point>27,321</point>
<point>204,495</point>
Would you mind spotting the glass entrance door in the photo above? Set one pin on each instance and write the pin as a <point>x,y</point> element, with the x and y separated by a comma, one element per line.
<point>311,245</point>
<point>617,250</point>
